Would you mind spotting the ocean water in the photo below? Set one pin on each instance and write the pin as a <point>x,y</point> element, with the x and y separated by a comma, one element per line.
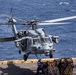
<point>41,10</point>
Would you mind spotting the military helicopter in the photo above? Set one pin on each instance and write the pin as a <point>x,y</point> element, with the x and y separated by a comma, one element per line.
<point>34,40</point>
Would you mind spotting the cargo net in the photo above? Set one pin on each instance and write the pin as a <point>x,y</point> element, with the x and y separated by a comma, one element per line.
<point>66,66</point>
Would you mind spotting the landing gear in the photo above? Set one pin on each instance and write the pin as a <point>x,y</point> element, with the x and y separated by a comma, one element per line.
<point>25,57</point>
<point>51,55</point>
<point>19,51</point>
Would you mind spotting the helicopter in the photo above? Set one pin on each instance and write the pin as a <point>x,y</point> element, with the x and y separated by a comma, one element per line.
<point>34,40</point>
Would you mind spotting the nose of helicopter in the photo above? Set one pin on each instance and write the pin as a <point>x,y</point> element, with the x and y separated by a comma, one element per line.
<point>47,46</point>
<point>44,48</point>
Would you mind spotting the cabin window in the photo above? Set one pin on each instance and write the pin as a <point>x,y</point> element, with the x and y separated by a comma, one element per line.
<point>42,40</point>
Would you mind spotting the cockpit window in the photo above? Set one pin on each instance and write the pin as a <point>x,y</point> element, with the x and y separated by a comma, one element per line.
<point>41,40</point>
<point>48,40</point>
<point>36,41</point>
<point>45,40</point>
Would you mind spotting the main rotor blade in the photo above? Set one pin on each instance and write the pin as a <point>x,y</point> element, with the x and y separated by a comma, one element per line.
<point>60,19</point>
<point>7,39</point>
<point>36,22</point>
<point>53,23</point>
<point>7,23</point>
<point>4,16</point>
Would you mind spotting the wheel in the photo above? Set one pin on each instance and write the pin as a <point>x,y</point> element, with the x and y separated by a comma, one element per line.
<point>51,55</point>
<point>19,51</point>
<point>25,57</point>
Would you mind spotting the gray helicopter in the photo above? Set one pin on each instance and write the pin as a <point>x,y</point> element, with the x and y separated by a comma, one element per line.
<point>34,40</point>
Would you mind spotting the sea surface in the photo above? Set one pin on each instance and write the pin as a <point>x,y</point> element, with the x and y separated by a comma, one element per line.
<point>40,10</point>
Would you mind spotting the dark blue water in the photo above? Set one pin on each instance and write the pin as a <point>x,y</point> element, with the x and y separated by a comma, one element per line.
<point>41,10</point>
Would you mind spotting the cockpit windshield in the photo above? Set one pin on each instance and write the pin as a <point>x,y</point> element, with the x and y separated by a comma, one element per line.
<point>41,40</point>
<point>47,39</point>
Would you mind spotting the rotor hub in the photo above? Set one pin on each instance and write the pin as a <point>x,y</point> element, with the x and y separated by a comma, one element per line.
<point>12,21</point>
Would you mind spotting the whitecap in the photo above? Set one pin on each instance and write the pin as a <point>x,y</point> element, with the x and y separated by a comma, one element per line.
<point>73,10</point>
<point>44,4</point>
<point>35,17</point>
<point>17,0</point>
<point>66,3</point>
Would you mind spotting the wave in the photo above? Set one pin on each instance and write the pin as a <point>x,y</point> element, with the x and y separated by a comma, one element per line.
<point>64,3</point>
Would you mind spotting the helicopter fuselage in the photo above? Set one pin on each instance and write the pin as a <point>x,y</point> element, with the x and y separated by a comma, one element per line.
<point>35,42</point>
